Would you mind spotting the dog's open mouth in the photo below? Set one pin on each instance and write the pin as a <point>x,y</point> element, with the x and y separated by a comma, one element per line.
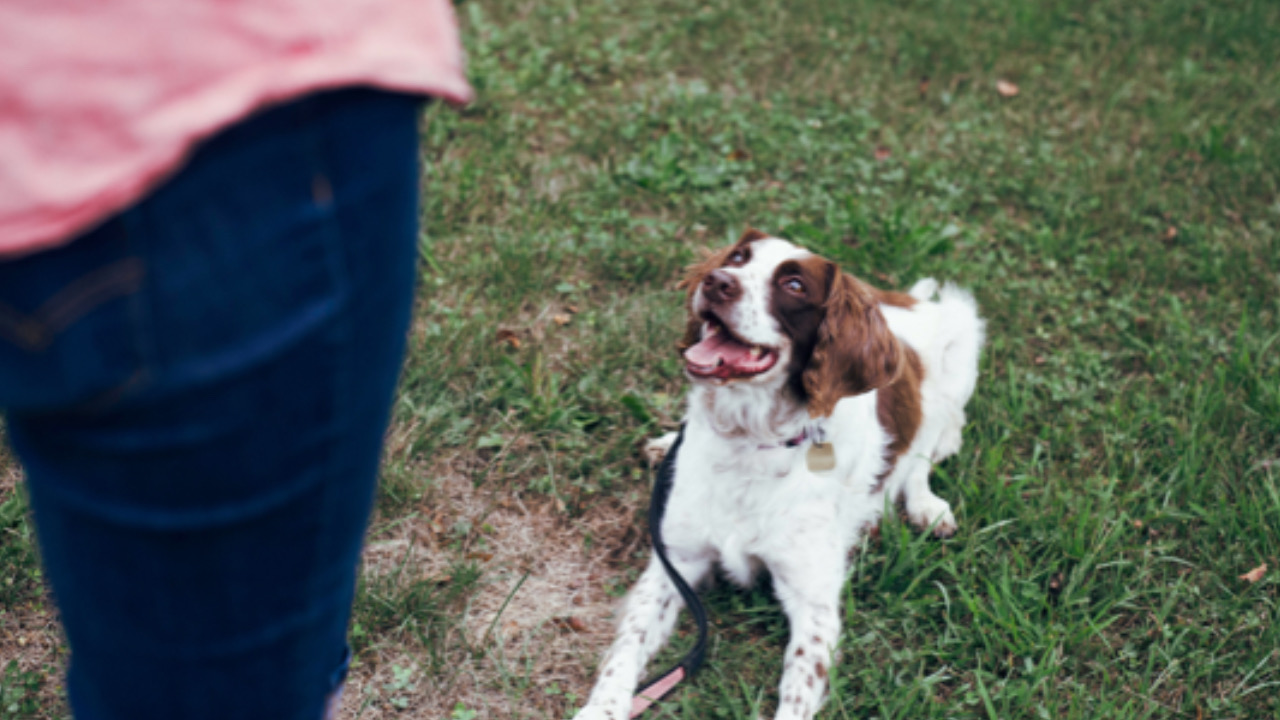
<point>722,355</point>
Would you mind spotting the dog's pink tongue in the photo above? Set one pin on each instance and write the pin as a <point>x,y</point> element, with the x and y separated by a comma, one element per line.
<point>716,350</point>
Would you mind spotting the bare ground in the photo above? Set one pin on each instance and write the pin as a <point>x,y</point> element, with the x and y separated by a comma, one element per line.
<point>537,625</point>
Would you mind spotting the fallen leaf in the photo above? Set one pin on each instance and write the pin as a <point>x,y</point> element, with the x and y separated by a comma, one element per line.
<point>509,337</point>
<point>883,153</point>
<point>572,308</point>
<point>561,318</point>
<point>1255,574</point>
<point>739,155</point>
<point>1006,88</point>
<point>1170,233</point>
<point>1137,524</point>
<point>569,622</point>
<point>1039,360</point>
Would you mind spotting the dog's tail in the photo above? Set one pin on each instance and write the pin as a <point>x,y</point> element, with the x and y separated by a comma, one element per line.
<point>924,289</point>
<point>963,332</point>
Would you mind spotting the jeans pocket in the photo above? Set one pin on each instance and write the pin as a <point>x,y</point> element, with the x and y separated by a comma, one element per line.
<point>69,325</point>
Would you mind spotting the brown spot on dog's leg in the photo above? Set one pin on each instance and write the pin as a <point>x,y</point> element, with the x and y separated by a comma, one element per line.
<point>822,670</point>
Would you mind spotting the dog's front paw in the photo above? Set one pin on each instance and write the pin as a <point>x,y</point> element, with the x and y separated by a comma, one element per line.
<point>932,511</point>
<point>656,449</point>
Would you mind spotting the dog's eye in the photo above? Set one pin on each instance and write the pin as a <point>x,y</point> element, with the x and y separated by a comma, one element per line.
<point>738,257</point>
<point>793,285</point>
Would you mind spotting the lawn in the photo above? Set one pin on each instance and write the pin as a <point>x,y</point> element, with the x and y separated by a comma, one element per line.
<point>1104,175</point>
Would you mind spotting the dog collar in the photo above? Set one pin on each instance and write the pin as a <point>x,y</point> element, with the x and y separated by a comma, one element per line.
<point>807,433</point>
<point>796,441</point>
<point>819,457</point>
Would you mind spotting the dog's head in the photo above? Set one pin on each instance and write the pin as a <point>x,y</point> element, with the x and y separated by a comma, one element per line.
<point>767,312</point>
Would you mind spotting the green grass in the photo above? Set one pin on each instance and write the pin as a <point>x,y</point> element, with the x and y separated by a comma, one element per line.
<point>1117,220</point>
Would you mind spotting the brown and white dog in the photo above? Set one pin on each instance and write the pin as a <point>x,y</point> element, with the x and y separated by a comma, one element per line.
<point>786,352</point>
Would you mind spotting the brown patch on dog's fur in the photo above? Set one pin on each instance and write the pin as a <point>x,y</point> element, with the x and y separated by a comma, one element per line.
<point>693,275</point>
<point>855,351</point>
<point>692,279</point>
<point>898,408</point>
<point>893,298</point>
<point>800,316</point>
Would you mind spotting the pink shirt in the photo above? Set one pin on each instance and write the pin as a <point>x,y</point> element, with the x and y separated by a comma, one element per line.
<point>101,99</point>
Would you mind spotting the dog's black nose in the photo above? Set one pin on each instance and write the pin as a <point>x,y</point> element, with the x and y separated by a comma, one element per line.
<point>720,287</point>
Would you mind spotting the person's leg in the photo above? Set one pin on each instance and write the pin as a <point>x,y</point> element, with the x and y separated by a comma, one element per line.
<point>198,392</point>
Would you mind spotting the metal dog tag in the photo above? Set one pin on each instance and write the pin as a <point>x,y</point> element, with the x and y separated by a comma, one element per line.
<point>820,457</point>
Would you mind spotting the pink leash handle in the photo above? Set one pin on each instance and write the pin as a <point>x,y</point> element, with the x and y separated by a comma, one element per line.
<point>656,690</point>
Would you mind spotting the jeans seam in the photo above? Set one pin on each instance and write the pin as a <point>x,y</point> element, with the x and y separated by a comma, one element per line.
<point>37,331</point>
<point>122,277</point>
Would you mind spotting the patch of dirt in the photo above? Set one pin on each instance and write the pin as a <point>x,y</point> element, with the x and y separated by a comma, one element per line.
<point>535,628</point>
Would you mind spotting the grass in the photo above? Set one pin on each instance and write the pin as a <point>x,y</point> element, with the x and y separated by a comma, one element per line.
<point>1117,220</point>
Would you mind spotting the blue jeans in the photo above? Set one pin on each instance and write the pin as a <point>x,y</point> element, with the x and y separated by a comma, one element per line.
<point>198,390</point>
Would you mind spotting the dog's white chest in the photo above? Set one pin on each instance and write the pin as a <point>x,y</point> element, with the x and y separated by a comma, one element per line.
<point>743,506</point>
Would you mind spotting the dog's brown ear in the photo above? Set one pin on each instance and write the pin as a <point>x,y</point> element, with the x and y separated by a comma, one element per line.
<point>855,352</point>
<point>693,274</point>
<point>751,235</point>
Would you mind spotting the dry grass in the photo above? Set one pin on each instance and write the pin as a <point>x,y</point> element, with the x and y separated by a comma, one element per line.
<point>535,627</point>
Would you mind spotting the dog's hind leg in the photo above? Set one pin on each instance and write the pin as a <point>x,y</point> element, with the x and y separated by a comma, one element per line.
<point>651,611</point>
<point>924,508</point>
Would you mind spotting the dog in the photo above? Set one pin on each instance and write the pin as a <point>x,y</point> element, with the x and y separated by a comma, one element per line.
<point>816,398</point>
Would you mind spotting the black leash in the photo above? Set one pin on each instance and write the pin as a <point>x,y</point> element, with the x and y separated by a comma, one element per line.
<point>658,688</point>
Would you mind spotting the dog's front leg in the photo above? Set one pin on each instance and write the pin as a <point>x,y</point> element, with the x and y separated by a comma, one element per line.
<point>651,611</point>
<point>809,589</point>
